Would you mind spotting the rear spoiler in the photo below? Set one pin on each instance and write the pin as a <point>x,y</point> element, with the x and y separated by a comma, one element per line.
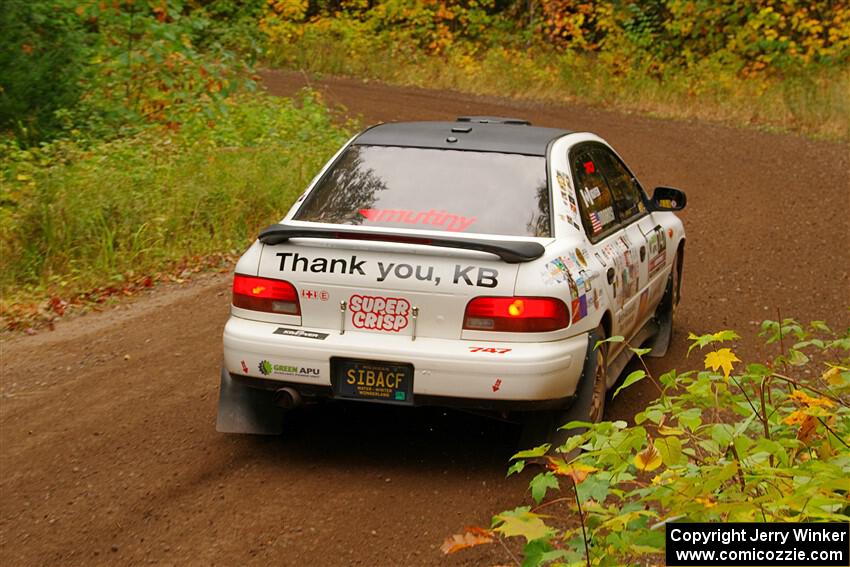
<point>510,251</point>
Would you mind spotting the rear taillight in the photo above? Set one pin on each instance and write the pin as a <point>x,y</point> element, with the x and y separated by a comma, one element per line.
<point>263,294</point>
<point>516,314</point>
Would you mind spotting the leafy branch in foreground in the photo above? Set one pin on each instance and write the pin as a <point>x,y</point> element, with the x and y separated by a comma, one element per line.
<point>733,443</point>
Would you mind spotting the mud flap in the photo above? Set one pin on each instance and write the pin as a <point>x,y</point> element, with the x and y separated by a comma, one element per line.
<point>664,318</point>
<point>580,409</point>
<point>246,410</point>
<point>544,427</point>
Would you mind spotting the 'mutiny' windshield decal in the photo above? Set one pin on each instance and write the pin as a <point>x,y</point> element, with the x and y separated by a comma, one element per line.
<point>442,219</point>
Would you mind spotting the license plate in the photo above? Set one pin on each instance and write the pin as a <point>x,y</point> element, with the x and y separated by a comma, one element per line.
<point>372,380</point>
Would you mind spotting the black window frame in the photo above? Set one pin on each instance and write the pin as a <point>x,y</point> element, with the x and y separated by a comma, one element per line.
<point>635,217</point>
<point>620,224</point>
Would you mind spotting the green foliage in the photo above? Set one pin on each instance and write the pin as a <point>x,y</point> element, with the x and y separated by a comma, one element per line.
<point>150,69</point>
<point>777,64</point>
<point>762,442</point>
<point>131,141</point>
<point>73,217</point>
<point>108,69</point>
<point>42,52</point>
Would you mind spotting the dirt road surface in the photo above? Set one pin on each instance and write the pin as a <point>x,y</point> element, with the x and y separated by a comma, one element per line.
<point>108,453</point>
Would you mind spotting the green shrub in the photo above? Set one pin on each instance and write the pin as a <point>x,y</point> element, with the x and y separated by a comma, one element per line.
<point>734,443</point>
<point>42,54</point>
<point>780,65</point>
<point>74,217</point>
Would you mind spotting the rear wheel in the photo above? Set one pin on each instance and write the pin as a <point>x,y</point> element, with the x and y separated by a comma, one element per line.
<point>600,382</point>
<point>588,405</point>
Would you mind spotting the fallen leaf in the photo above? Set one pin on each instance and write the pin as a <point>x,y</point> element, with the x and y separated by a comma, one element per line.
<point>471,537</point>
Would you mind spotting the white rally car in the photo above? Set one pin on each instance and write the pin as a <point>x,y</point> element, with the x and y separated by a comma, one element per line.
<point>473,264</point>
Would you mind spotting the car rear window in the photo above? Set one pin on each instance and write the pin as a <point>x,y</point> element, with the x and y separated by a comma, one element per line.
<point>431,189</point>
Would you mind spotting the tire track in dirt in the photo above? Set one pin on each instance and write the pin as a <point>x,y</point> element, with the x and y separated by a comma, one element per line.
<point>107,460</point>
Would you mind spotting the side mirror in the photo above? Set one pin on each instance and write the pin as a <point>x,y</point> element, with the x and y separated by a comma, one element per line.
<point>668,199</point>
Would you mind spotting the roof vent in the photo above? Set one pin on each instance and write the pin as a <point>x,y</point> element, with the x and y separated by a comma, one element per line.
<point>494,120</point>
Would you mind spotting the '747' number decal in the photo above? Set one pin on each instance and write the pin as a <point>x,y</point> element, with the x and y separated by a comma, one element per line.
<point>489,349</point>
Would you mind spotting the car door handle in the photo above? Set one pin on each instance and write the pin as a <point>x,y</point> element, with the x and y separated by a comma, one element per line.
<point>642,253</point>
<point>610,273</point>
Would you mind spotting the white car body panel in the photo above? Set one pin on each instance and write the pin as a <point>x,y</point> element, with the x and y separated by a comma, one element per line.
<point>443,367</point>
<point>440,282</point>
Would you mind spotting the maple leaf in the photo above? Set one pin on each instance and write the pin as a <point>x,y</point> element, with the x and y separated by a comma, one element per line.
<point>576,471</point>
<point>471,537</point>
<point>704,340</point>
<point>807,428</point>
<point>649,459</point>
<point>721,358</point>
<point>805,399</point>
<point>540,484</point>
<point>522,522</point>
<point>795,418</point>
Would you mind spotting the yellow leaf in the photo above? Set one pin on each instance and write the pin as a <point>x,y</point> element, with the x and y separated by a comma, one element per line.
<point>796,418</point>
<point>721,358</point>
<point>649,459</point>
<point>523,523</point>
<point>667,430</point>
<point>22,177</point>
<point>833,376</point>
<point>707,502</point>
<point>809,401</point>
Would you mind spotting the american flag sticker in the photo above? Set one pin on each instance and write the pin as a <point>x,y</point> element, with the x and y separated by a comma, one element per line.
<point>595,223</point>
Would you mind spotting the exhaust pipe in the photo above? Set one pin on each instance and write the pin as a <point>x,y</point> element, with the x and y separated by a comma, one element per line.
<point>288,398</point>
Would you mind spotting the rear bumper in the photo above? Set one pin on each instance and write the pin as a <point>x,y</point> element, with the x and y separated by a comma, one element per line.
<point>446,371</point>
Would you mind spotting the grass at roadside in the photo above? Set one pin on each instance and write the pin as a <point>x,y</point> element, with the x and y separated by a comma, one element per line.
<point>814,102</point>
<point>76,218</point>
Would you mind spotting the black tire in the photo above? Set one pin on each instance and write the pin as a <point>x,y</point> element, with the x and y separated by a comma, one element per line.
<point>588,405</point>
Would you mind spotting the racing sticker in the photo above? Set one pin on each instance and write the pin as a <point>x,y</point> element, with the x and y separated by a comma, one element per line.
<point>556,272</point>
<point>590,194</point>
<point>656,241</point>
<point>630,274</point>
<point>570,269</point>
<point>442,219</point>
<point>315,294</point>
<point>378,313</point>
<point>266,368</point>
<point>300,333</point>
<point>570,205</point>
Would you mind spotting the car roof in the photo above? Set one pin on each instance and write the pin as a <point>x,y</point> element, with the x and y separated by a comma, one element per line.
<point>471,133</point>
